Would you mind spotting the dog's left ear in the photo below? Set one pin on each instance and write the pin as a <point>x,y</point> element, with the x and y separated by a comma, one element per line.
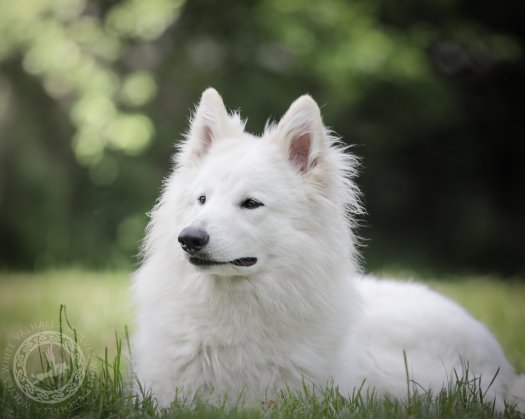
<point>302,133</point>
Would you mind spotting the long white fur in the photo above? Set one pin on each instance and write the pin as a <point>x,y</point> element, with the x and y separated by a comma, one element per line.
<point>303,311</point>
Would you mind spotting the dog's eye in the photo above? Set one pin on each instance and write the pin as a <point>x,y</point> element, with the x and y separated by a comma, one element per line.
<point>202,199</point>
<point>251,204</point>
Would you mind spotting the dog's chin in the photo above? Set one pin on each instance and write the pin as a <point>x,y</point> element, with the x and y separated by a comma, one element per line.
<point>205,263</point>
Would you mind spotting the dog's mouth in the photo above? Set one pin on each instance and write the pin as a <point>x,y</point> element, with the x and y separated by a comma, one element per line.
<point>243,262</point>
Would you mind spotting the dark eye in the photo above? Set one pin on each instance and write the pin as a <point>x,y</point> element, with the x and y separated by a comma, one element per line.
<point>251,204</point>
<point>202,199</point>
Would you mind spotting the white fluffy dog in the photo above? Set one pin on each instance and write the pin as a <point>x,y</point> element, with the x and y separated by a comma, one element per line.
<point>250,279</point>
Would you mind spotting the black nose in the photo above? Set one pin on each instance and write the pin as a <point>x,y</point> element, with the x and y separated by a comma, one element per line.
<point>193,239</point>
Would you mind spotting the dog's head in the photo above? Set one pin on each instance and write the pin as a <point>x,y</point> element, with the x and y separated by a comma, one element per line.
<point>238,204</point>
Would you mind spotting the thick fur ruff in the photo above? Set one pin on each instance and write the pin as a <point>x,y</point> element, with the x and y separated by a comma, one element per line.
<point>264,291</point>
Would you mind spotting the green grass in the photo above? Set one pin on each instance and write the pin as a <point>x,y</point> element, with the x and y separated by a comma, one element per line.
<point>98,304</point>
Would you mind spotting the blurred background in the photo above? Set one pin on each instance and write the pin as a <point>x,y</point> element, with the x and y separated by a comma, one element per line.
<point>95,93</point>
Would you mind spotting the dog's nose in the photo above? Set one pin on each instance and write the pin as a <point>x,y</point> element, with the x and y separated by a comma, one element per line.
<point>193,239</point>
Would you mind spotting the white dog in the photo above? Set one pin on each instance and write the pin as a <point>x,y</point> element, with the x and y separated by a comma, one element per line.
<point>250,279</point>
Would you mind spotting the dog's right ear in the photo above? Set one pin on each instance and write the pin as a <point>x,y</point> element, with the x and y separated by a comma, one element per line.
<point>207,125</point>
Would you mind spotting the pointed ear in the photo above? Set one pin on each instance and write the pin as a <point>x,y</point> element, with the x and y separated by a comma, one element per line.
<point>302,133</point>
<point>207,125</point>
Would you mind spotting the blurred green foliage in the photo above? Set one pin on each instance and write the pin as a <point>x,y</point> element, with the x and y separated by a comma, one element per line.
<point>93,94</point>
<point>73,47</point>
